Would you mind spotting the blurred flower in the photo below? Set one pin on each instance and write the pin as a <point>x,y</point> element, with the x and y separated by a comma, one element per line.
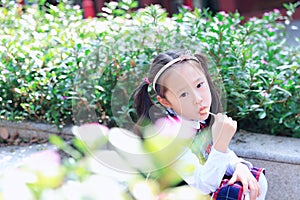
<point>14,184</point>
<point>5,71</point>
<point>187,7</point>
<point>46,167</point>
<point>183,192</point>
<point>270,29</point>
<point>145,189</point>
<point>93,135</point>
<point>264,61</point>
<point>264,94</point>
<point>101,187</point>
<point>76,7</point>
<point>167,140</point>
<point>223,13</point>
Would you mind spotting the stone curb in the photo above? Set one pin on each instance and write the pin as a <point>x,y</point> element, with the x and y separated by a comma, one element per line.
<point>27,129</point>
<point>266,147</point>
<point>244,144</point>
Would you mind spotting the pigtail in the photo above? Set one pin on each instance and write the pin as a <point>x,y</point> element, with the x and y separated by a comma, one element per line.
<point>147,111</point>
<point>142,101</point>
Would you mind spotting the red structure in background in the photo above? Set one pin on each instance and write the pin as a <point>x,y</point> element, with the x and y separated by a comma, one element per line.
<point>189,3</point>
<point>92,7</point>
<point>247,8</point>
<point>88,8</point>
<point>250,8</point>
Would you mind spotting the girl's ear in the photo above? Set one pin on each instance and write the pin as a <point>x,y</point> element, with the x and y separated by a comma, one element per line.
<point>164,102</point>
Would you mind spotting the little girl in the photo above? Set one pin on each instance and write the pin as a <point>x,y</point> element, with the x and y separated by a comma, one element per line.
<point>183,86</point>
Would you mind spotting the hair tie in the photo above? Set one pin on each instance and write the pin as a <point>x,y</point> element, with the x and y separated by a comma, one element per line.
<point>146,80</point>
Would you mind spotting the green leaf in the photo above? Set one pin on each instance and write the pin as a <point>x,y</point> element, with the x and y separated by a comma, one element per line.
<point>262,114</point>
<point>283,90</point>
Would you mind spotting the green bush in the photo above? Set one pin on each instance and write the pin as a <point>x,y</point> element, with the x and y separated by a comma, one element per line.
<point>260,71</point>
<point>58,68</point>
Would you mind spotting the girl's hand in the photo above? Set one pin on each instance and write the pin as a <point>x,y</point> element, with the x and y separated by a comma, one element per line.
<point>243,174</point>
<point>223,130</point>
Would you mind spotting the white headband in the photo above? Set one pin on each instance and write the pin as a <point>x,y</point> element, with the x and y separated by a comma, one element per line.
<point>169,64</point>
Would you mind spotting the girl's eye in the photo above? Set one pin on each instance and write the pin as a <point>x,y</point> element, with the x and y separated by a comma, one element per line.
<point>199,85</point>
<point>184,94</point>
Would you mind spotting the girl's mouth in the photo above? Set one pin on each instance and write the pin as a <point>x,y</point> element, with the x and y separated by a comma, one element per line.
<point>203,110</point>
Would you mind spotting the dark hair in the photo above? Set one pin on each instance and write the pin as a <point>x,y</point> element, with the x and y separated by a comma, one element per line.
<point>142,101</point>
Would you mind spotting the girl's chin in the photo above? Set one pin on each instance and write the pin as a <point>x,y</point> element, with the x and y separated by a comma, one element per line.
<point>203,116</point>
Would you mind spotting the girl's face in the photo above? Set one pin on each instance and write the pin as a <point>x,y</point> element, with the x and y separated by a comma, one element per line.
<point>188,92</point>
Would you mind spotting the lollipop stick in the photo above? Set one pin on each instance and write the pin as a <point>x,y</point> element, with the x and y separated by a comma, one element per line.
<point>212,113</point>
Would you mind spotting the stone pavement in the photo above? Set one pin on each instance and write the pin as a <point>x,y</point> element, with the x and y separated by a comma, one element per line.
<point>13,156</point>
<point>293,32</point>
<point>280,156</point>
<point>283,179</point>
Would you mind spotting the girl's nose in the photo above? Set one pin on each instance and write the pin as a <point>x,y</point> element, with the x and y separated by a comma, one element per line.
<point>198,97</point>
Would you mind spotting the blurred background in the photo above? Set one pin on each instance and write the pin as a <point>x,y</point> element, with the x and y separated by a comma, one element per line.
<point>247,8</point>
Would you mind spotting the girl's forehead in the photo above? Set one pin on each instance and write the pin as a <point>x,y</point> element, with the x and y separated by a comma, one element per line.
<point>185,71</point>
<point>182,75</point>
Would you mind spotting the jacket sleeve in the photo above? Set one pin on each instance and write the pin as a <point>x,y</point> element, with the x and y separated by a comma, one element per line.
<point>234,159</point>
<point>207,177</point>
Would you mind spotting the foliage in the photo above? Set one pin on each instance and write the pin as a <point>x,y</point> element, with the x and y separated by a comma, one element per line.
<point>260,71</point>
<point>58,68</point>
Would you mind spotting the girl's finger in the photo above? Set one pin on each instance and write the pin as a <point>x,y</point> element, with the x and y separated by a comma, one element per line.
<point>235,124</point>
<point>256,185</point>
<point>232,180</point>
<point>245,186</point>
<point>253,190</point>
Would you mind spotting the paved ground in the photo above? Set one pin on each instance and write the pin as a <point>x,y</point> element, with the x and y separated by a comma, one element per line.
<point>12,156</point>
<point>283,179</point>
<point>293,33</point>
<point>280,156</point>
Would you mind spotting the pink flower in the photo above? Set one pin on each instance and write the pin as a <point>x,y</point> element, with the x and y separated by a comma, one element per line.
<point>168,126</point>
<point>264,94</point>
<point>76,7</point>
<point>187,7</point>
<point>223,13</point>
<point>263,61</point>
<point>270,29</point>
<point>276,10</point>
<point>5,71</point>
<point>174,128</point>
